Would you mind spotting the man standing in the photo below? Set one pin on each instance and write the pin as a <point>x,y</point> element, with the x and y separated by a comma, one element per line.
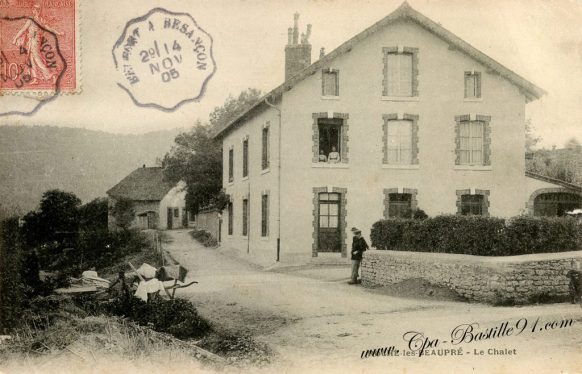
<point>359,245</point>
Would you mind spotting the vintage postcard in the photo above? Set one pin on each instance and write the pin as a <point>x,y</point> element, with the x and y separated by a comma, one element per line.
<point>303,186</point>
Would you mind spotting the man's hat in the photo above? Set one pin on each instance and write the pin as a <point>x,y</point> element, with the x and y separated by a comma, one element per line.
<point>355,230</point>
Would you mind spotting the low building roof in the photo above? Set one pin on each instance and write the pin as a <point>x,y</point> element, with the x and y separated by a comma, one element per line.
<point>144,184</point>
<point>558,182</point>
<point>404,12</point>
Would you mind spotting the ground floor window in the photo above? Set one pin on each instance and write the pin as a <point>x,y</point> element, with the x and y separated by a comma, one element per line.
<point>556,203</point>
<point>230,218</point>
<point>264,215</point>
<point>245,217</point>
<point>472,205</point>
<point>400,205</point>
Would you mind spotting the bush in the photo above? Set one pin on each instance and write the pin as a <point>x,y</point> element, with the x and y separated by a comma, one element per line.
<point>177,317</point>
<point>204,237</point>
<point>476,235</point>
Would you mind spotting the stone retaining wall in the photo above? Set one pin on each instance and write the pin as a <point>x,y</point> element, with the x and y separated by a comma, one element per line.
<point>496,280</point>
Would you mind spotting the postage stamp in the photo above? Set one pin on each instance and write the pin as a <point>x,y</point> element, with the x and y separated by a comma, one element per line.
<point>38,44</point>
<point>164,59</point>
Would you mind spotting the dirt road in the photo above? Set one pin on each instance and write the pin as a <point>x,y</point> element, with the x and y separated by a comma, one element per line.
<point>314,320</point>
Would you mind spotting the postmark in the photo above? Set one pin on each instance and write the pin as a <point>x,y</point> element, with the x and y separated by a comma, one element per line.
<point>164,60</point>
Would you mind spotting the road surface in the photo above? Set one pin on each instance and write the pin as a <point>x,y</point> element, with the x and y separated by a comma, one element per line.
<point>315,321</point>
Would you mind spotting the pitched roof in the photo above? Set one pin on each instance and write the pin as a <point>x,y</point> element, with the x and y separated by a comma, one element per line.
<point>555,181</point>
<point>146,183</point>
<point>404,12</point>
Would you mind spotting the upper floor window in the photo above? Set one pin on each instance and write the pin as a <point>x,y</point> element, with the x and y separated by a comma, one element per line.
<point>400,72</point>
<point>400,139</point>
<point>472,85</point>
<point>399,142</point>
<point>245,168</point>
<point>330,82</point>
<point>231,165</point>
<point>473,141</point>
<point>330,136</point>
<point>265,148</point>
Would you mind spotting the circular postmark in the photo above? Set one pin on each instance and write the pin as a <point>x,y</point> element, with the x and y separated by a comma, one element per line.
<point>31,65</point>
<point>164,59</point>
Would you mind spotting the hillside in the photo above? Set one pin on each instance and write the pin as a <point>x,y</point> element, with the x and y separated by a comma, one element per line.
<point>85,162</point>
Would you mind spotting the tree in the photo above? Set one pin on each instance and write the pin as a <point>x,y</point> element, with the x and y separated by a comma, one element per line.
<point>196,158</point>
<point>530,139</point>
<point>93,215</point>
<point>124,213</point>
<point>55,220</point>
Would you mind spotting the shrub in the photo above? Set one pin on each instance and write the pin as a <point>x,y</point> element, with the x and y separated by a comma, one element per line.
<point>476,235</point>
<point>204,237</point>
<point>11,287</point>
<point>178,317</point>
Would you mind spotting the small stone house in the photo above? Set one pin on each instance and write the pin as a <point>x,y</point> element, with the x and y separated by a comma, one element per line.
<point>403,116</point>
<point>157,204</point>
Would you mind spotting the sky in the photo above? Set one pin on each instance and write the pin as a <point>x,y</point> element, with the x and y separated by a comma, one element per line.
<point>540,40</point>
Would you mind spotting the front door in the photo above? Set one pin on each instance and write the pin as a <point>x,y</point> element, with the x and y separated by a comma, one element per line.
<point>329,230</point>
<point>170,214</point>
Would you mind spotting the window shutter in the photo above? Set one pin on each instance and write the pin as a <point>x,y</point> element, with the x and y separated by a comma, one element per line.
<point>477,84</point>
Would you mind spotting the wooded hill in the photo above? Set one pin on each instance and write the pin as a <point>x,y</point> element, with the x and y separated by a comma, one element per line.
<point>34,159</point>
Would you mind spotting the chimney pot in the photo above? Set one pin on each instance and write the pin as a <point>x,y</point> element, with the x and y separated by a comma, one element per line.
<point>143,166</point>
<point>297,56</point>
<point>296,28</point>
<point>321,53</point>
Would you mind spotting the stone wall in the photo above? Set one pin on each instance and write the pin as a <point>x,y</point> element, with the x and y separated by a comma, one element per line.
<point>496,280</point>
<point>208,221</point>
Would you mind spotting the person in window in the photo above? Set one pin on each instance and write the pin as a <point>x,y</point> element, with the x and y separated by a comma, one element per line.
<point>359,246</point>
<point>334,156</point>
<point>322,156</point>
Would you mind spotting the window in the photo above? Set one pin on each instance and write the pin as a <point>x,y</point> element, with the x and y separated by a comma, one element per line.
<point>176,212</point>
<point>400,205</point>
<point>556,203</point>
<point>399,142</point>
<point>231,165</point>
<point>245,217</point>
<point>245,158</point>
<point>265,215</point>
<point>399,74</point>
<point>265,153</point>
<point>471,143</point>
<point>472,85</point>
<point>330,82</point>
<point>330,139</point>
<point>329,210</point>
<point>230,218</point>
<point>472,205</point>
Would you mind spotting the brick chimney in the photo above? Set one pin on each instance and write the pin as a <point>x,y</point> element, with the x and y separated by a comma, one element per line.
<point>297,55</point>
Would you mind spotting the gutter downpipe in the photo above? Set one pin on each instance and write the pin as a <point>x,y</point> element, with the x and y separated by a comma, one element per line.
<point>278,181</point>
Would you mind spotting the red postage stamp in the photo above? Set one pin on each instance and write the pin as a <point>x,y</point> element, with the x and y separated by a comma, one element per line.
<point>38,46</point>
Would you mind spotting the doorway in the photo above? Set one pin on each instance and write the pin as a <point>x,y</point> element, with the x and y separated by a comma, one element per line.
<point>169,215</point>
<point>329,228</point>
